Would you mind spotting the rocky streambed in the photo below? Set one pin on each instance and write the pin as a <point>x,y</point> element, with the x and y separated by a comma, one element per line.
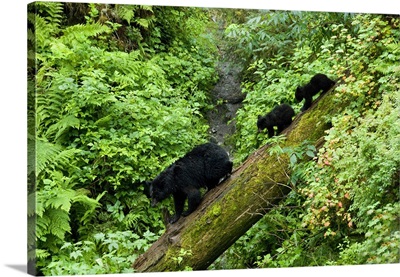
<point>227,99</point>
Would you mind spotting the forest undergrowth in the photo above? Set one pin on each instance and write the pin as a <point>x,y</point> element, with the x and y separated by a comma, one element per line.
<point>118,92</point>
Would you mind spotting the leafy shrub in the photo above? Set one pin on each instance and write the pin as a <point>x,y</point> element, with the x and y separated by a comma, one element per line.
<point>343,206</point>
<point>104,121</point>
<point>103,254</point>
<point>121,97</point>
<point>361,199</point>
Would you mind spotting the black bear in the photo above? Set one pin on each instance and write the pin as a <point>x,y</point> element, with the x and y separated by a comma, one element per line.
<point>280,116</point>
<point>204,166</point>
<point>317,83</point>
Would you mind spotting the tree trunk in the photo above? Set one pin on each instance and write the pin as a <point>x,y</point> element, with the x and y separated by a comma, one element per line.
<point>230,209</point>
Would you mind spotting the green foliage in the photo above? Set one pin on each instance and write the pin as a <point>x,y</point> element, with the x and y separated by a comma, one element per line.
<point>275,79</point>
<point>343,207</point>
<point>181,256</point>
<point>119,92</point>
<point>54,199</point>
<point>361,198</point>
<point>104,121</point>
<point>104,253</point>
<point>46,17</point>
<point>272,78</point>
<point>127,13</point>
<point>276,34</point>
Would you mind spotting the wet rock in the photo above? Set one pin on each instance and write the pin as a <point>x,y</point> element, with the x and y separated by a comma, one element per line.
<point>227,98</point>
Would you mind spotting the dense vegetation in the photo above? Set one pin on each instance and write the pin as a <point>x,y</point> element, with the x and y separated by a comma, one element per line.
<point>118,92</point>
<point>344,205</point>
<point>118,99</point>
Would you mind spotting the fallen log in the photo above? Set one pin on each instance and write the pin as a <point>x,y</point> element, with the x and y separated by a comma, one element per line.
<point>230,209</point>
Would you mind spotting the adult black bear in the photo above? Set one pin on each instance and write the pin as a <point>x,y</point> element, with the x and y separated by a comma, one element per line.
<point>204,166</point>
<point>280,116</point>
<point>317,83</point>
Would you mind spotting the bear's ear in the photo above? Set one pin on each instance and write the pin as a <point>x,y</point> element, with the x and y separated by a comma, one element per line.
<point>259,116</point>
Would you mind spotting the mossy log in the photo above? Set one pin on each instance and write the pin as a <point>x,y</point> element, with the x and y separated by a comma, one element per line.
<point>230,209</point>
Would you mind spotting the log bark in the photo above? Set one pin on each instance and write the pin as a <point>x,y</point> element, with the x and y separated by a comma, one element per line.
<point>230,209</point>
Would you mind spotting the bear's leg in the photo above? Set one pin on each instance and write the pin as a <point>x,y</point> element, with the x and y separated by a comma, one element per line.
<point>194,198</point>
<point>179,201</point>
<point>280,129</point>
<point>307,103</point>
<point>283,126</point>
<point>326,89</point>
<point>270,131</point>
<point>212,183</point>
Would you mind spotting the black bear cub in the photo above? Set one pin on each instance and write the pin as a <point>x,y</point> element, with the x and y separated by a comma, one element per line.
<point>317,83</point>
<point>204,166</point>
<point>280,116</point>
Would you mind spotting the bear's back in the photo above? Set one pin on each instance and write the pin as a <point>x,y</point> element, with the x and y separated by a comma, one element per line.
<point>204,164</point>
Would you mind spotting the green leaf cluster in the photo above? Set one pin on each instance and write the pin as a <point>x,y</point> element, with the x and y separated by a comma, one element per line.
<point>103,254</point>
<point>344,204</point>
<point>103,119</point>
<point>118,92</point>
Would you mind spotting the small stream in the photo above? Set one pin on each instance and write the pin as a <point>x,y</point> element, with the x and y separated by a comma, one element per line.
<point>227,98</point>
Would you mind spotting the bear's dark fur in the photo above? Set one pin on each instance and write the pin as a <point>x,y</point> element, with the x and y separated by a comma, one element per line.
<point>317,83</point>
<point>280,116</point>
<point>204,166</point>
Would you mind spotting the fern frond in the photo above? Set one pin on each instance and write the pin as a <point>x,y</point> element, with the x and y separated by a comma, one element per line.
<point>56,12</point>
<point>46,18</point>
<point>42,224</point>
<point>124,80</point>
<point>61,199</point>
<point>59,223</point>
<point>51,104</point>
<point>51,11</point>
<point>31,230</point>
<point>39,204</point>
<point>131,220</point>
<point>52,154</point>
<point>127,63</point>
<point>31,35</point>
<point>31,55</point>
<point>63,125</point>
<point>128,12</point>
<point>91,204</point>
<point>45,154</point>
<point>32,204</point>
<point>64,158</point>
<point>147,8</point>
<point>42,254</point>
<point>125,12</point>
<point>42,32</point>
<point>143,22</point>
<point>81,197</point>
<point>60,50</point>
<point>81,32</point>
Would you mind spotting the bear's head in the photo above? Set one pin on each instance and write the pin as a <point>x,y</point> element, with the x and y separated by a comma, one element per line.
<point>263,122</point>
<point>160,188</point>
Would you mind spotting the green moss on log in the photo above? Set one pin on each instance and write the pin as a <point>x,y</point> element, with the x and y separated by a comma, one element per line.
<point>233,207</point>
